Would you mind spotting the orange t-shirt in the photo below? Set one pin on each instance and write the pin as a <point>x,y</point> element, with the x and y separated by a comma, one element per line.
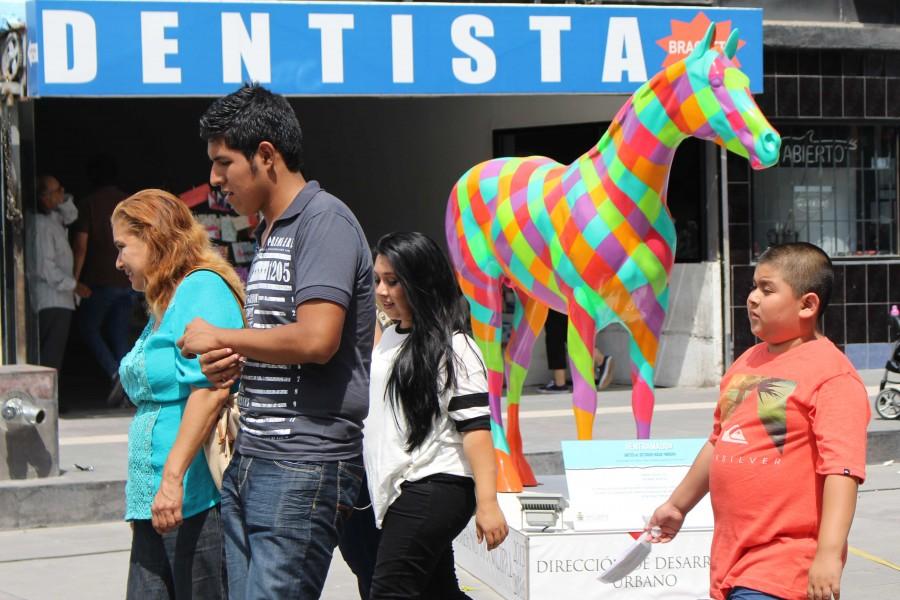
<point>784,422</point>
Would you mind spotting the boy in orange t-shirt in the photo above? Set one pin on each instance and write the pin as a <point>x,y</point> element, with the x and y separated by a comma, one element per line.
<point>788,446</point>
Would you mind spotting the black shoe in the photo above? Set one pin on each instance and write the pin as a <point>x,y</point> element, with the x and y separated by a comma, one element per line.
<point>551,388</point>
<point>603,373</point>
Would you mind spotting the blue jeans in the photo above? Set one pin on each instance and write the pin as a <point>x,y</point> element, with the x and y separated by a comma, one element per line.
<point>742,593</point>
<point>359,541</point>
<point>282,520</point>
<point>104,320</point>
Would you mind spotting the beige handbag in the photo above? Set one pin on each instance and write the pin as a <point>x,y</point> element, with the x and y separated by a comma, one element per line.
<point>219,445</point>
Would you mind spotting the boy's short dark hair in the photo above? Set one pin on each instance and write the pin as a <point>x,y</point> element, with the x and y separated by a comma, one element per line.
<point>805,267</point>
<point>251,115</point>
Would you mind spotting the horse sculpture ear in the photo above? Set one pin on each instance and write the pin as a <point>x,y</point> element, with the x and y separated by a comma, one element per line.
<point>732,43</point>
<point>704,44</point>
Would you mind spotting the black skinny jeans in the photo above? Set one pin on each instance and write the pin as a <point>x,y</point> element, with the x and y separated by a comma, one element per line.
<point>415,556</point>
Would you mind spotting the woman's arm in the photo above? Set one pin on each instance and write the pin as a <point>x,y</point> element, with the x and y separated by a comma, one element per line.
<point>200,414</point>
<point>490,523</point>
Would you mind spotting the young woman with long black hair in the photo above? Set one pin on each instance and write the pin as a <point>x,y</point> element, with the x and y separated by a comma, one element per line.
<point>427,447</point>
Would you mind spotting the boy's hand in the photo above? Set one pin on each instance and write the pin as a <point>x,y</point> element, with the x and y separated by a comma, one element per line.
<point>669,520</point>
<point>825,577</point>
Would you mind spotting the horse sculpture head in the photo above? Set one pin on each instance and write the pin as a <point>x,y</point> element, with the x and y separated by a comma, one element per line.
<point>713,102</point>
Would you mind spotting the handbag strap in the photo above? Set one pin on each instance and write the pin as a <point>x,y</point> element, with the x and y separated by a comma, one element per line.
<point>234,292</point>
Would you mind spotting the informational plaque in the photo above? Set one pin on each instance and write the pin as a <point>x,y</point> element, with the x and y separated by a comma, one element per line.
<point>615,485</point>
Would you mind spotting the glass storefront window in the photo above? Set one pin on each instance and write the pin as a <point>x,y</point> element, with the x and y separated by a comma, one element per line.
<point>834,186</point>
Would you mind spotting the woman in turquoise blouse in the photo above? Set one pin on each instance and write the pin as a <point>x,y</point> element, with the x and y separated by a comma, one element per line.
<point>171,499</point>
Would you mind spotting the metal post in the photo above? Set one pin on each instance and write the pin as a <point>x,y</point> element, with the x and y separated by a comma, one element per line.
<point>728,334</point>
<point>13,222</point>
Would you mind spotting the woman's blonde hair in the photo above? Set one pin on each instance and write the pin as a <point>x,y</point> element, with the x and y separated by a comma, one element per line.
<point>177,245</point>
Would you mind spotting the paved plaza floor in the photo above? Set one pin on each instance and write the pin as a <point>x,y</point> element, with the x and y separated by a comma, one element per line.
<point>90,561</point>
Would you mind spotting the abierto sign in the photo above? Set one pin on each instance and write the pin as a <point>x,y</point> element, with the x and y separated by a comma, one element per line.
<point>137,48</point>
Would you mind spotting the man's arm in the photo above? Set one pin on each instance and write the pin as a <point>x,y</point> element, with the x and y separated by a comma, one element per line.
<point>670,515</point>
<point>838,507</point>
<point>79,252</point>
<point>314,338</point>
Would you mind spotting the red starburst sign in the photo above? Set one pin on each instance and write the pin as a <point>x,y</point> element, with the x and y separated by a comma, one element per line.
<point>686,35</point>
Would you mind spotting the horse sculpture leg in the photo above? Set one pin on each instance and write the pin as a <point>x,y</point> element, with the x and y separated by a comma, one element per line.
<point>487,313</point>
<point>642,350</point>
<point>580,342</point>
<point>528,320</point>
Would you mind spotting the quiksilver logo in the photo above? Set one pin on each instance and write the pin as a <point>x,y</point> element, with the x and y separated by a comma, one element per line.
<point>734,435</point>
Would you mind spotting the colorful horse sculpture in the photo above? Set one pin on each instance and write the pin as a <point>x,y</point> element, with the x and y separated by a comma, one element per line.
<point>593,239</point>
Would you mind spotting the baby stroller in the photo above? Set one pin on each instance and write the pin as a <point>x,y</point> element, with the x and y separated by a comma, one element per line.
<point>887,402</point>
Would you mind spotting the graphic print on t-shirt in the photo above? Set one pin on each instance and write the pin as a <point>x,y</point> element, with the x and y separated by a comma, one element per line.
<point>269,392</point>
<point>771,404</point>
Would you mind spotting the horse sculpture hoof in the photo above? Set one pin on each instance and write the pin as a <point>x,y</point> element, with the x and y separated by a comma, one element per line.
<point>508,479</point>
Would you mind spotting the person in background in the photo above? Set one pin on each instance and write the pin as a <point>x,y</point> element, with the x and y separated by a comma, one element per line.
<point>104,315</point>
<point>428,451</point>
<point>51,274</point>
<point>555,339</point>
<point>177,547</point>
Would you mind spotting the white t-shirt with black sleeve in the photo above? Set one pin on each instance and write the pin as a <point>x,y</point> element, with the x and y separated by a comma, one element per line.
<point>463,408</point>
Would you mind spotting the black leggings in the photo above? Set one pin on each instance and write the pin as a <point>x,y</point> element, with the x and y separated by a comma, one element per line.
<point>555,332</point>
<point>415,556</point>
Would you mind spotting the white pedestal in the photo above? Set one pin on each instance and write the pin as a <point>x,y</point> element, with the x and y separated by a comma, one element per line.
<point>564,564</point>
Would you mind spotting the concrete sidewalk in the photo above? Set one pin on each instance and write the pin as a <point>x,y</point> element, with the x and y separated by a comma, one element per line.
<point>93,449</point>
<point>91,561</point>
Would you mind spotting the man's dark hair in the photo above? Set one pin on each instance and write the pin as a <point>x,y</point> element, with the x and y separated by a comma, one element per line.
<point>253,115</point>
<point>805,267</point>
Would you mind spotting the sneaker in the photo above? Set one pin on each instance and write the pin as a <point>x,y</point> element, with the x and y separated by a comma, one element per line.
<point>551,388</point>
<point>603,373</point>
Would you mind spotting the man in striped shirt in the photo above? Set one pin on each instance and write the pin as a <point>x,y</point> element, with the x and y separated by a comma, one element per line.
<point>304,386</point>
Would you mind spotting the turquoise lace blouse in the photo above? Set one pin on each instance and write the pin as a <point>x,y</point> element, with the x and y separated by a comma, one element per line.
<point>158,380</point>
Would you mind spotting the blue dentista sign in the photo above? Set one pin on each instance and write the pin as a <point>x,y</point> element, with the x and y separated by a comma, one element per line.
<point>139,48</point>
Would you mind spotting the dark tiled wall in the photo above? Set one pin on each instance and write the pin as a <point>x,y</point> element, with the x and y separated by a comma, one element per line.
<point>863,290</point>
<point>832,86</point>
<point>858,311</point>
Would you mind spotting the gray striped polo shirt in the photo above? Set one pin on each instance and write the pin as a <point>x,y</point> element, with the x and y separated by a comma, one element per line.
<point>315,250</point>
